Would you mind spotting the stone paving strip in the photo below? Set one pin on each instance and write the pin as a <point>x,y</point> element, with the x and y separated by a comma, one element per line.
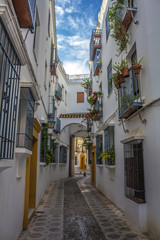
<point>47,223</point>
<point>71,211</point>
<point>110,218</point>
<point>79,221</point>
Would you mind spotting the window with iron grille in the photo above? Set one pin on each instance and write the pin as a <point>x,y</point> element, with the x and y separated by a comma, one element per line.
<point>56,153</point>
<point>63,154</point>
<point>25,119</point>
<point>109,77</point>
<point>9,88</point>
<point>134,171</point>
<point>109,145</point>
<point>99,148</point>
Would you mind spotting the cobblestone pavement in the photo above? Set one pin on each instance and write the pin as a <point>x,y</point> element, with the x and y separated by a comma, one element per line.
<point>72,209</point>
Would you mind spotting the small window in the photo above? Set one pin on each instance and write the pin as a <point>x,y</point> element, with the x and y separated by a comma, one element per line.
<point>63,91</point>
<point>63,154</point>
<point>109,77</point>
<point>66,97</point>
<point>49,23</point>
<point>56,153</point>
<point>25,119</point>
<point>45,76</point>
<point>109,145</point>
<point>107,28</point>
<point>99,148</point>
<point>134,171</point>
<point>36,37</point>
<point>80,97</point>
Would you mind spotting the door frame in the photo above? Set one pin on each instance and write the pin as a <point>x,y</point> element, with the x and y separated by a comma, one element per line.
<point>31,177</point>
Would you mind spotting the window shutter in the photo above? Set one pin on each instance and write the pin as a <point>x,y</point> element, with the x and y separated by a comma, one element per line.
<point>107,139</point>
<point>80,97</point>
<point>99,147</point>
<point>53,107</point>
<point>56,153</point>
<point>109,76</point>
<point>107,28</point>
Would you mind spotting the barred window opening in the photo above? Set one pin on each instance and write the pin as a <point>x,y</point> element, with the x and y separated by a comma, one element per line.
<point>134,171</point>
<point>9,88</point>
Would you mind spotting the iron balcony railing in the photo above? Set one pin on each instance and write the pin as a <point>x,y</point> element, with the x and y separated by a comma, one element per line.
<point>26,12</point>
<point>57,126</point>
<point>51,106</point>
<point>53,60</point>
<point>98,105</point>
<point>95,42</point>
<point>97,62</point>
<point>129,96</point>
<point>58,92</point>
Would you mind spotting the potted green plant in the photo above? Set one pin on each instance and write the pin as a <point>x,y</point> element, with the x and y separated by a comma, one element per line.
<point>136,66</point>
<point>118,30</point>
<point>90,100</point>
<point>108,155</point>
<point>124,68</point>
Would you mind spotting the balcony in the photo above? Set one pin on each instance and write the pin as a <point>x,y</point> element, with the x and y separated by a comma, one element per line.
<point>129,96</point>
<point>95,42</point>
<point>51,106</point>
<point>127,12</point>
<point>58,92</point>
<point>57,126</point>
<point>98,106</point>
<point>53,61</point>
<point>26,12</point>
<point>97,62</point>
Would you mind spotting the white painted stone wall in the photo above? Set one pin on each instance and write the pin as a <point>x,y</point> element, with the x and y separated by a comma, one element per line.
<point>111,181</point>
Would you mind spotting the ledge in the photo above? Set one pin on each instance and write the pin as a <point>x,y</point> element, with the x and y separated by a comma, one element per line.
<point>100,166</point>
<point>42,164</point>
<point>4,164</point>
<point>62,164</point>
<point>20,155</point>
<point>110,166</point>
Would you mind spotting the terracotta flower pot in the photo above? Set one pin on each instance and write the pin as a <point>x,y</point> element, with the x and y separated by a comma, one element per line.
<point>125,72</point>
<point>121,79</point>
<point>136,68</point>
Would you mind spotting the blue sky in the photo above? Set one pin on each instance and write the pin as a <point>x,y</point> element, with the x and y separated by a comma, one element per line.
<point>75,20</point>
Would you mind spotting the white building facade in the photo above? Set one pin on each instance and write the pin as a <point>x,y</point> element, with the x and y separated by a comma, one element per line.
<point>129,125</point>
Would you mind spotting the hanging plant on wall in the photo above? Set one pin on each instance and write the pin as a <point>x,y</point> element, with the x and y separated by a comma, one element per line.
<point>118,30</point>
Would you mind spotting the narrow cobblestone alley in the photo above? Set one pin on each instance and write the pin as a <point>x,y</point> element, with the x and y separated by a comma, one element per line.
<point>72,209</point>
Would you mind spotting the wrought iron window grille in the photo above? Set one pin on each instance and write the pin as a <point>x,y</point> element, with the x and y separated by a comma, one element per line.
<point>10,67</point>
<point>134,171</point>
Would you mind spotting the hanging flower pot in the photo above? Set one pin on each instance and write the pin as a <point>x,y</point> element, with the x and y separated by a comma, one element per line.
<point>120,78</point>
<point>125,71</point>
<point>136,68</point>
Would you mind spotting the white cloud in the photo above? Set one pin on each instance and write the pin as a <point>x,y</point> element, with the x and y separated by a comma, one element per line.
<point>59,11</point>
<point>73,24</point>
<point>76,67</point>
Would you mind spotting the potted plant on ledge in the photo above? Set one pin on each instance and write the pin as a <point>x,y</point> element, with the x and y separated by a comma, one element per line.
<point>136,66</point>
